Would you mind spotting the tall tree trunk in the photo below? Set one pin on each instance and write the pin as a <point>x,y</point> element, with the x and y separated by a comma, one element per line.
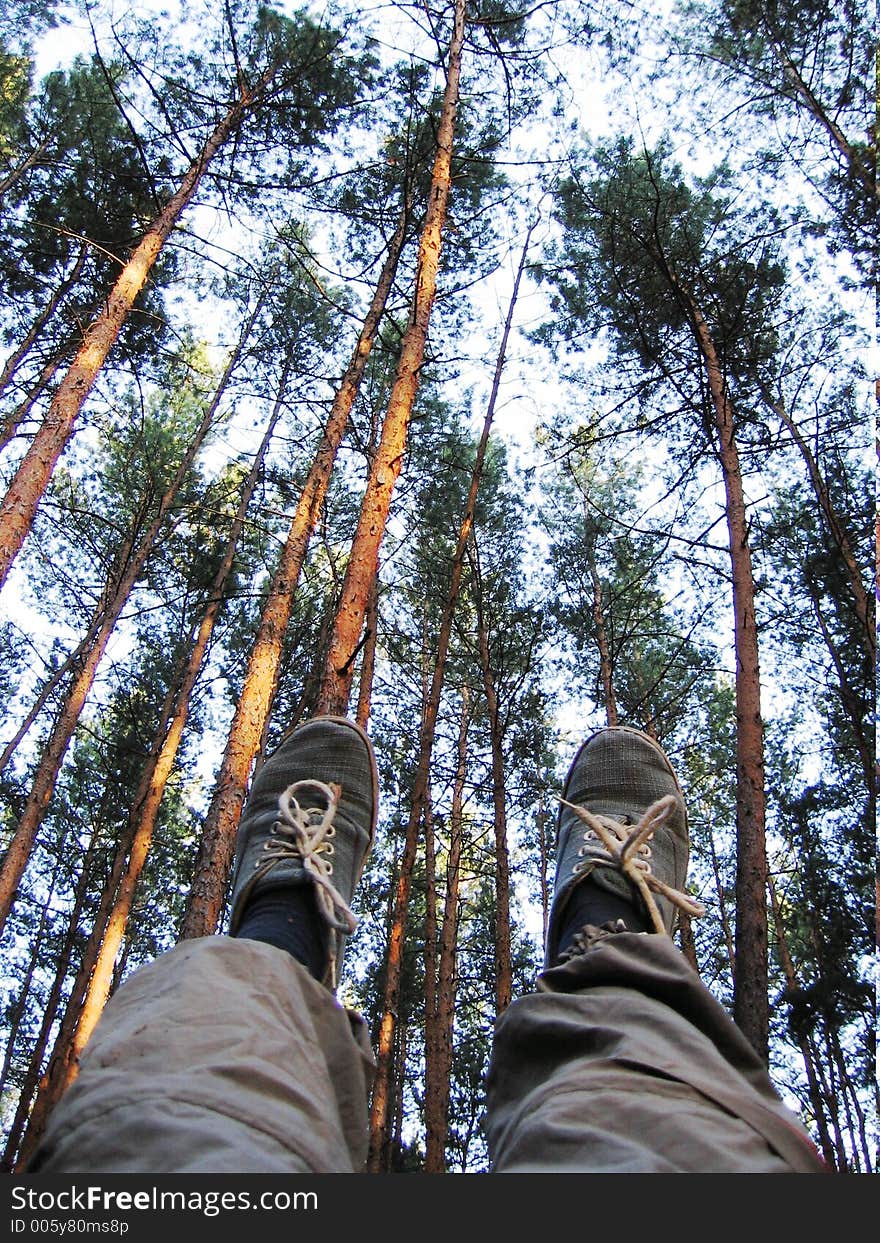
<point>127,570</point>
<point>311,687</point>
<point>386,466</point>
<point>18,1010</point>
<point>29,483</point>
<point>854,705</point>
<point>723,914</point>
<point>849,1162</point>
<point>379,1115</point>
<point>395,1142</point>
<point>42,382</point>
<point>606,666</point>
<point>431,946</point>
<point>750,1004</point>
<point>15,174</point>
<point>217,845</point>
<point>686,941</point>
<point>545,857</point>
<point>368,661</point>
<point>434,1157</point>
<point>430,919</point>
<point>144,813</point>
<point>84,646</point>
<point>503,969</point>
<point>54,1077</point>
<point>859,1142</point>
<point>439,1020</point>
<point>14,360</point>
<point>863,602</point>
<point>32,1078</point>
<point>833,1094</point>
<point>807,1050</point>
<point>841,1104</point>
<point>859,170</point>
<point>51,684</point>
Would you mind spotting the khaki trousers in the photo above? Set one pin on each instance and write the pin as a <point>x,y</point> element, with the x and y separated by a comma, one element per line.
<point>225,1056</point>
<point>623,1062</point>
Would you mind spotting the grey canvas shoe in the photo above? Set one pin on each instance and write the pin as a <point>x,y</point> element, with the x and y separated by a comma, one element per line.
<point>310,820</point>
<point>622,821</point>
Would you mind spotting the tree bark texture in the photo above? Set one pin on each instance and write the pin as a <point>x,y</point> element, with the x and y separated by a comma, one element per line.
<point>439,1019</point>
<point>503,970</point>
<point>751,1005</point>
<point>379,1120</point>
<point>386,465</point>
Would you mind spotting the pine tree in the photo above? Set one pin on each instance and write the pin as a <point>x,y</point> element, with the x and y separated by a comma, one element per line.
<point>282,50</point>
<point>665,281</point>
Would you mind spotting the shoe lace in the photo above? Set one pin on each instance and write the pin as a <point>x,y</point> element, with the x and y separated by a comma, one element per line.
<point>627,849</point>
<point>306,833</point>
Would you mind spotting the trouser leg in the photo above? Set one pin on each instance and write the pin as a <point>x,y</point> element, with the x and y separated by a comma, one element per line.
<point>223,1056</point>
<point>624,1062</point>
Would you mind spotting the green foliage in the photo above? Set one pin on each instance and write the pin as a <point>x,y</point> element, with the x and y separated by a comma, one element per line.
<point>807,69</point>
<point>638,239</point>
<point>22,22</point>
<point>608,574</point>
<point>81,202</point>
<point>618,505</point>
<point>15,89</point>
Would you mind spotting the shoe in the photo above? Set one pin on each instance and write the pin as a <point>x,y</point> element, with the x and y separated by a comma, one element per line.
<point>310,819</point>
<point>623,822</point>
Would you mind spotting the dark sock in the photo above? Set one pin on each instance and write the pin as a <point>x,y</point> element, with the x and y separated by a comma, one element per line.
<point>288,919</point>
<point>591,904</point>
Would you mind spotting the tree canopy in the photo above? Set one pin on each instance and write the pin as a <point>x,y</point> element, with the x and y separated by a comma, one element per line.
<point>565,305</point>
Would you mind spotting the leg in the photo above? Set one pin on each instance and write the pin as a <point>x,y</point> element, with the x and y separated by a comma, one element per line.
<point>227,1055</point>
<point>623,1061</point>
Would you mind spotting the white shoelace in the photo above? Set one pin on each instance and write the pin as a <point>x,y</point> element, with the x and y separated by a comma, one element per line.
<point>306,833</point>
<point>628,850</point>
